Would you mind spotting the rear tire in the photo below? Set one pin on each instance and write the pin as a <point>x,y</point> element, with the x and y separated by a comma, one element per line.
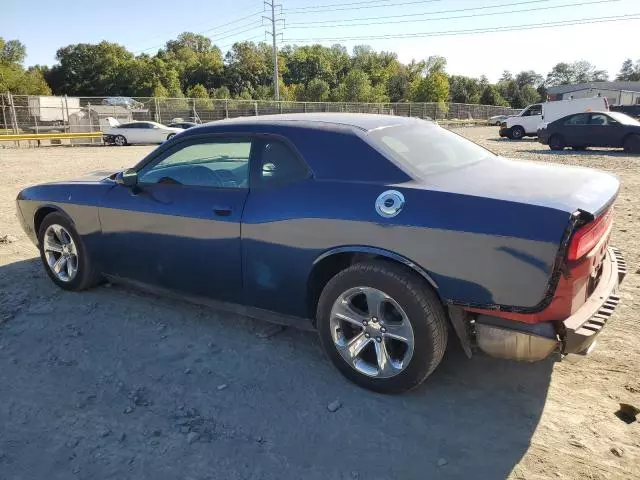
<point>120,141</point>
<point>404,308</point>
<point>517,132</point>
<point>76,271</point>
<point>170,136</point>
<point>556,142</point>
<point>632,144</point>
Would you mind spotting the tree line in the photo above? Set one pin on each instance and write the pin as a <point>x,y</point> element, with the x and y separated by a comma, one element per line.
<point>192,66</point>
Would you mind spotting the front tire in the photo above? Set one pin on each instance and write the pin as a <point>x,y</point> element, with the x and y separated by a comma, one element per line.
<point>517,132</point>
<point>63,254</point>
<point>382,326</point>
<point>120,141</point>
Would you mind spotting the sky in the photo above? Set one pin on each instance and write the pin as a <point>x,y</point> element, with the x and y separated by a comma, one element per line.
<point>144,26</point>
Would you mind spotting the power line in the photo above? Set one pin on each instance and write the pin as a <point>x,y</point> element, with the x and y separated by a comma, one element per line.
<point>564,23</point>
<point>356,5</point>
<point>252,39</point>
<point>508,4</point>
<point>255,26</point>
<point>474,15</point>
<point>204,31</point>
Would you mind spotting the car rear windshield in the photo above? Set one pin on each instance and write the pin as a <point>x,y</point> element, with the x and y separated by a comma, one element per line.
<point>424,149</point>
<point>624,119</point>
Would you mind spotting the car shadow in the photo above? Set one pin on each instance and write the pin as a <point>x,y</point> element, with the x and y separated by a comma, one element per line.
<point>73,360</point>
<point>522,140</point>
<point>585,153</point>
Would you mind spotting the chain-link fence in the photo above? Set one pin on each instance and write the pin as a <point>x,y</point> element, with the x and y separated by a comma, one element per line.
<point>50,114</point>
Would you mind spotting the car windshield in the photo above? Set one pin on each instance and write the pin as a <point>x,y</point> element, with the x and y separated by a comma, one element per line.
<point>425,149</point>
<point>624,118</point>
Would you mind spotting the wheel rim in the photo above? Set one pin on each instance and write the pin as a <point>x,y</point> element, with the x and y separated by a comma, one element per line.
<point>61,252</point>
<point>517,133</point>
<point>371,332</point>
<point>119,140</point>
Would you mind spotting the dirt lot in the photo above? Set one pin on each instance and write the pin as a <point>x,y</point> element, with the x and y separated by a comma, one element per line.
<point>111,383</point>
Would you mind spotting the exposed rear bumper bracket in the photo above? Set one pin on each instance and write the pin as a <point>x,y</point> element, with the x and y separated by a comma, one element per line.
<point>582,327</point>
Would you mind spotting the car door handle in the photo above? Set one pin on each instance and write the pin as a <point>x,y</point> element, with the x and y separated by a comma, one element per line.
<point>222,211</point>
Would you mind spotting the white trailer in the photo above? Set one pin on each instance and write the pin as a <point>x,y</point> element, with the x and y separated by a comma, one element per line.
<point>51,110</point>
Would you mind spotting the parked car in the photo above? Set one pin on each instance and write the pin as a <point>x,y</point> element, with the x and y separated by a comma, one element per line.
<point>183,125</point>
<point>594,129</point>
<point>126,102</point>
<point>631,110</point>
<point>139,132</point>
<point>527,122</point>
<point>380,230</point>
<point>497,119</point>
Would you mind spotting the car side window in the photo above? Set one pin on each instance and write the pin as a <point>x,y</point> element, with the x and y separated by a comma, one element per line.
<point>278,163</point>
<point>579,119</point>
<point>599,119</point>
<point>220,163</point>
<point>536,110</point>
<point>533,110</point>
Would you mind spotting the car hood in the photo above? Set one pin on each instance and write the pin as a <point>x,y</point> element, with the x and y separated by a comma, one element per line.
<point>92,177</point>
<point>561,187</point>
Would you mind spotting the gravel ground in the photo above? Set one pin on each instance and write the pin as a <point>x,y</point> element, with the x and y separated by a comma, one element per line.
<point>111,383</point>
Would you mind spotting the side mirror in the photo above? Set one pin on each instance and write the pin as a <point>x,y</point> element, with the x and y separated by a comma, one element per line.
<point>127,178</point>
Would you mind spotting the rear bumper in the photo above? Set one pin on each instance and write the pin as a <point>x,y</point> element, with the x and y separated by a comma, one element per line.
<point>543,137</point>
<point>531,342</point>
<point>581,328</point>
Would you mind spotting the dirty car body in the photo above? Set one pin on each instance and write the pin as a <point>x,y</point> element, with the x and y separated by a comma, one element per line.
<point>516,253</point>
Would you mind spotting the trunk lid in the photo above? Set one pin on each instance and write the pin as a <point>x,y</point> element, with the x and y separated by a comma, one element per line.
<point>561,187</point>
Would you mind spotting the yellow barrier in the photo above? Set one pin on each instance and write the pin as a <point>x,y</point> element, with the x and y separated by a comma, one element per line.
<point>48,136</point>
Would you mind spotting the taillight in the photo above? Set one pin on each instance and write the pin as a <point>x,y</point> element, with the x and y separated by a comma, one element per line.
<point>589,235</point>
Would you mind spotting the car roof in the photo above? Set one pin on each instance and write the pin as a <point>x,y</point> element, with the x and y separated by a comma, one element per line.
<point>362,121</point>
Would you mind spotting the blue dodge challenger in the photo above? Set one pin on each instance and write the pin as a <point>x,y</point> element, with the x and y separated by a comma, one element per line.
<point>385,234</point>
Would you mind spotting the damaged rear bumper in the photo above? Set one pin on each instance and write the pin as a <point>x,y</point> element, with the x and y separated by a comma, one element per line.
<point>581,328</point>
<point>532,342</point>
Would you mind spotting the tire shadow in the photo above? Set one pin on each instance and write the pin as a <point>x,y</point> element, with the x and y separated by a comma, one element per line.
<point>473,418</point>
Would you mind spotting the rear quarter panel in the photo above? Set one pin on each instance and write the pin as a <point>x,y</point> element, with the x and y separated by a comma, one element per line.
<point>478,251</point>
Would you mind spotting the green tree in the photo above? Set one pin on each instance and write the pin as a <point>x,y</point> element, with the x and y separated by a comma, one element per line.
<point>248,65</point>
<point>491,96</point>
<point>200,95</point>
<point>92,69</point>
<point>317,90</point>
<point>577,72</point>
<point>464,89</point>
<point>12,51</point>
<point>379,66</point>
<point>195,59</point>
<point>221,93</point>
<point>356,87</point>
<point>629,72</point>
<point>432,88</point>
<point>13,77</point>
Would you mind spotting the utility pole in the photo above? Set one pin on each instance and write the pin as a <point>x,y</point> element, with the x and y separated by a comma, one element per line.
<point>272,5</point>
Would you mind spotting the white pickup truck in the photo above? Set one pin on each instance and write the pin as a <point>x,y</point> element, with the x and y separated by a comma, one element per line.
<point>526,123</point>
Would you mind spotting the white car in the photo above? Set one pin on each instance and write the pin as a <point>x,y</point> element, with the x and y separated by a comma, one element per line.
<point>139,132</point>
<point>497,119</point>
